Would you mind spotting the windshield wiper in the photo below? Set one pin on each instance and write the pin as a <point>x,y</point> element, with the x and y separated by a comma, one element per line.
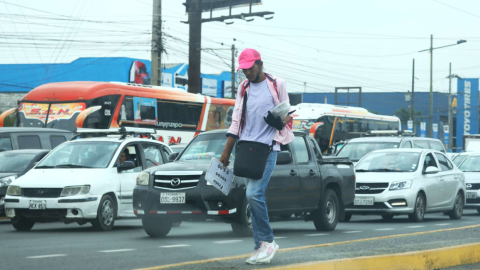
<point>384,170</point>
<point>361,170</point>
<point>44,167</point>
<point>71,166</point>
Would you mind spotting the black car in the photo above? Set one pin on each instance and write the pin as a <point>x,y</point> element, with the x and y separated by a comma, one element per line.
<point>14,164</point>
<point>303,183</point>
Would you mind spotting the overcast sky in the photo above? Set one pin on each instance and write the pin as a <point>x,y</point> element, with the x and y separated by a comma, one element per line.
<point>326,43</point>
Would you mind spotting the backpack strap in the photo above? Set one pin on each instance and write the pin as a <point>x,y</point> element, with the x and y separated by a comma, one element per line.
<point>269,77</point>
<point>246,84</point>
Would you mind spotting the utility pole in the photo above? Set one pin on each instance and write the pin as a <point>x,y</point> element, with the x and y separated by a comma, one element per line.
<point>305,86</point>
<point>431,89</point>
<point>157,44</point>
<point>194,52</point>
<point>233,71</point>
<point>450,131</point>
<point>412,111</point>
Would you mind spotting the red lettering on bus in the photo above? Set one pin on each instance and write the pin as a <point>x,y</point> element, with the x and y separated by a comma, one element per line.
<point>64,111</point>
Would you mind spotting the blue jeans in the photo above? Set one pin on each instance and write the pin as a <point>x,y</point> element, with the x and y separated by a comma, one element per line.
<point>258,206</point>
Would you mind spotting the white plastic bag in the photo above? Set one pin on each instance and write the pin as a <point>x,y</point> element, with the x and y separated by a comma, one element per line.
<point>281,110</point>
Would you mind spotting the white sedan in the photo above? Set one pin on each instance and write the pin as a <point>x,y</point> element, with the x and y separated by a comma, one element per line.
<point>471,168</point>
<point>407,181</point>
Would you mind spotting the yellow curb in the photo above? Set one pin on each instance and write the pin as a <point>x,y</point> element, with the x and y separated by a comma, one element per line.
<point>418,260</point>
<point>303,247</point>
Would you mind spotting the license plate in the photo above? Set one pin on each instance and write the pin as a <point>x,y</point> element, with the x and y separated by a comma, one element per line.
<point>471,195</point>
<point>172,197</point>
<point>39,205</point>
<point>363,201</point>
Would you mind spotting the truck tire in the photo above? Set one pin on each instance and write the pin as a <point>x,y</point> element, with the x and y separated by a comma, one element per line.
<point>242,223</point>
<point>419,209</point>
<point>457,211</point>
<point>347,217</point>
<point>326,217</point>
<point>22,224</point>
<point>156,227</point>
<point>106,214</point>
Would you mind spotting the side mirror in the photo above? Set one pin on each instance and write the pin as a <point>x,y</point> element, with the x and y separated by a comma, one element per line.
<point>125,166</point>
<point>431,170</point>
<point>284,157</point>
<point>173,156</point>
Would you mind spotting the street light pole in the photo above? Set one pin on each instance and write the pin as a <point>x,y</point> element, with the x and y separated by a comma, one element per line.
<point>450,129</point>
<point>431,89</point>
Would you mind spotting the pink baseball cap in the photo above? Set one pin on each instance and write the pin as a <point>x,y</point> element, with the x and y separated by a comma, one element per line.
<point>247,58</point>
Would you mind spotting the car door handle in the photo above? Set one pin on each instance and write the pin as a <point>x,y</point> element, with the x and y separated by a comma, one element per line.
<point>456,176</point>
<point>312,173</point>
<point>441,178</point>
<point>293,173</point>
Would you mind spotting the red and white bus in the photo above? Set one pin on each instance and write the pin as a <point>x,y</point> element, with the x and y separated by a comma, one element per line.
<point>175,114</point>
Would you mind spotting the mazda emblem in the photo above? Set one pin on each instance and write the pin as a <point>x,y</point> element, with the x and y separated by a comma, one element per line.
<point>469,186</point>
<point>364,187</point>
<point>176,182</point>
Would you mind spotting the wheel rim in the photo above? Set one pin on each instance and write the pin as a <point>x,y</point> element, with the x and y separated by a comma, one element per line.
<point>107,212</point>
<point>248,216</point>
<point>420,210</point>
<point>458,205</point>
<point>330,211</point>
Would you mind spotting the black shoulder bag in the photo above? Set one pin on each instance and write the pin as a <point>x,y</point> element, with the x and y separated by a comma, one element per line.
<point>250,157</point>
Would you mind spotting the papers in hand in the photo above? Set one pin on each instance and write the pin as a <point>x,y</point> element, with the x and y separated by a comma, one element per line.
<point>219,177</point>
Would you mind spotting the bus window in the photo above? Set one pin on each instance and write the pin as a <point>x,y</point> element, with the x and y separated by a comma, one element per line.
<point>60,115</point>
<point>101,118</point>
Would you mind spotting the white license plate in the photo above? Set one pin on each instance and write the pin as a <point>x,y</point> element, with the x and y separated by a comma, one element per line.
<point>39,205</point>
<point>363,201</point>
<point>172,197</point>
<point>471,195</point>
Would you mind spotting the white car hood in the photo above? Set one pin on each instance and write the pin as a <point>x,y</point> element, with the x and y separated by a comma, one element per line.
<point>472,177</point>
<point>60,178</point>
<point>383,177</point>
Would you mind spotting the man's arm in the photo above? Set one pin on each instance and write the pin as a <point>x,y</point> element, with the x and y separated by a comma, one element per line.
<point>227,151</point>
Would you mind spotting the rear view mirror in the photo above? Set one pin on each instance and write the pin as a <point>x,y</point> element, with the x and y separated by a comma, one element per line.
<point>173,156</point>
<point>431,170</point>
<point>284,157</point>
<point>125,166</point>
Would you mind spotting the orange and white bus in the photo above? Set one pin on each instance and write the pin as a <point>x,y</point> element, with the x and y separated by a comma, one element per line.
<point>176,115</point>
<point>332,123</point>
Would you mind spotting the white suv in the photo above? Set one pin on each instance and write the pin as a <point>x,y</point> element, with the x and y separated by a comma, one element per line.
<point>83,180</point>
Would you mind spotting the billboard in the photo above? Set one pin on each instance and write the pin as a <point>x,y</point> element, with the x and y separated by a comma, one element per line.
<point>167,79</point>
<point>208,5</point>
<point>227,89</point>
<point>467,108</point>
<point>209,87</point>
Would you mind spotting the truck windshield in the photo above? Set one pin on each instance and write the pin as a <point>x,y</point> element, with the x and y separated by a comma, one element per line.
<point>14,162</point>
<point>204,147</point>
<point>389,162</point>
<point>356,150</point>
<point>86,154</point>
<point>471,164</point>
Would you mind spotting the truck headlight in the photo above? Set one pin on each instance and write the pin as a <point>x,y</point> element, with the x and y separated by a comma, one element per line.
<point>7,180</point>
<point>75,190</point>
<point>14,191</point>
<point>401,185</point>
<point>143,179</point>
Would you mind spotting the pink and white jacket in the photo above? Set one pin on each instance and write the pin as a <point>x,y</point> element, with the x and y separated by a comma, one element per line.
<point>279,93</point>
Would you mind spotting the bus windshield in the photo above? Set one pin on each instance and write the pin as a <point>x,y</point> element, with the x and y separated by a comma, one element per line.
<point>56,115</point>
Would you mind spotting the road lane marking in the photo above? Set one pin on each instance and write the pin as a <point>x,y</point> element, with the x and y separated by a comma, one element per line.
<point>174,246</point>
<point>418,226</point>
<point>352,232</point>
<point>443,224</point>
<point>384,229</point>
<point>280,237</point>
<point>46,256</point>
<point>316,234</point>
<point>243,256</point>
<point>117,250</point>
<point>227,241</point>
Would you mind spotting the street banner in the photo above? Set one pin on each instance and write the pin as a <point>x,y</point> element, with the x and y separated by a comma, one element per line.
<point>167,79</point>
<point>423,129</point>
<point>446,132</point>
<point>219,177</point>
<point>410,125</point>
<point>209,87</point>
<point>435,130</point>
<point>227,89</point>
<point>467,109</point>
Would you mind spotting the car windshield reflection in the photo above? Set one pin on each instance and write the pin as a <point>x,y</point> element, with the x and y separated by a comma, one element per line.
<point>471,164</point>
<point>355,151</point>
<point>204,147</point>
<point>389,162</point>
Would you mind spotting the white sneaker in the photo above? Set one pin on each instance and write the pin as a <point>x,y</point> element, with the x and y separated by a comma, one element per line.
<point>253,258</point>
<point>267,251</point>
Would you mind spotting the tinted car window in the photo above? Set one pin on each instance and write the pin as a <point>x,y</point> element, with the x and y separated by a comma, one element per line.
<point>421,144</point>
<point>55,140</point>
<point>437,146</point>
<point>443,162</point>
<point>29,142</point>
<point>301,151</point>
<point>5,144</point>
<point>429,161</point>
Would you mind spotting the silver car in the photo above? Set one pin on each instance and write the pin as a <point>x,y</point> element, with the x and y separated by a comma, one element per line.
<point>407,181</point>
<point>471,168</point>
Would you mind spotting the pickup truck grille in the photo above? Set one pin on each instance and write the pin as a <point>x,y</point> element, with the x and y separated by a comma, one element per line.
<point>176,180</point>
<point>474,186</point>
<point>370,188</point>
<point>41,192</point>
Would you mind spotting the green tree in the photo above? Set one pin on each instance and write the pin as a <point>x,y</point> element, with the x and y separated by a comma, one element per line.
<point>404,115</point>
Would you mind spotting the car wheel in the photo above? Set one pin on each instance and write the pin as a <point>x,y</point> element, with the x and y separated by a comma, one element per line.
<point>157,227</point>
<point>22,224</point>
<point>419,210</point>
<point>387,217</point>
<point>457,210</point>
<point>347,217</point>
<point>106,214</point>
<point>326,217</point>
<point>242,224</point>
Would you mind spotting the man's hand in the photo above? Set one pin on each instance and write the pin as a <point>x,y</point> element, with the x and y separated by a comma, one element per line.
<point>286,120</point>
<point>227,151</point>
<point>224,160</point>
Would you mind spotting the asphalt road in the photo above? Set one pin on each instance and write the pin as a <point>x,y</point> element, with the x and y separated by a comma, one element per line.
<point>60,246</point>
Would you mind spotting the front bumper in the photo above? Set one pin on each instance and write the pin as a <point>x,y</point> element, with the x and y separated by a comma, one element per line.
<point>75,207</point>
<point>473,203</point>
<point>383,203</point>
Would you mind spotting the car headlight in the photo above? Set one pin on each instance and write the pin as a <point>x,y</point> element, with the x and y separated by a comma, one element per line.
<point>401,185</point>
<point>75,190</point>
<point>143,179</point>
<point>14,191</point>
<point>7,180</point>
